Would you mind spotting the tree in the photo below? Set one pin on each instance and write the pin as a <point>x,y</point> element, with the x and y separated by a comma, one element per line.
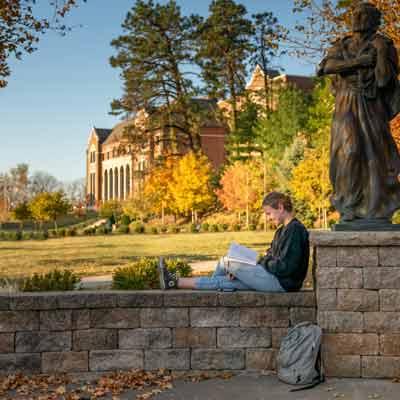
<point>157,190</point>
<point>153,56</point>
<point>41,182</point>
<point>224,47</point>
<point>20,28</point>
<point>242,187</point>
<point>110,208</point>
<point>310,182</point>
<point>191,184</point>
<point>75,191</point>
<point>276,131</point>
<point>49,206</point>
<point>22,213</point>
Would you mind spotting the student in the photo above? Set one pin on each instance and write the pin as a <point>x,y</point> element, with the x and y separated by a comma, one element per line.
<point>283,268</point>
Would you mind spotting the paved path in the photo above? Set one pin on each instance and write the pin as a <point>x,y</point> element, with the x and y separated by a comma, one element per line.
<point>104,281</point>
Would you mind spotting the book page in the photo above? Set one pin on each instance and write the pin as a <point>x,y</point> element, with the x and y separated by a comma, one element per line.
<point>242,254</point>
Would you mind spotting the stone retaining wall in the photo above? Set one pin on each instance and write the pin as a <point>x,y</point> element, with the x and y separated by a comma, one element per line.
<point>178,330</point>
<point>358,297</point>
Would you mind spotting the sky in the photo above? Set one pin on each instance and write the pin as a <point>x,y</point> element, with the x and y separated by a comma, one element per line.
<point>58,93</point>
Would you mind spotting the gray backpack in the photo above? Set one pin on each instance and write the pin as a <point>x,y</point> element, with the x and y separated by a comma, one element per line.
<point>299,357</point>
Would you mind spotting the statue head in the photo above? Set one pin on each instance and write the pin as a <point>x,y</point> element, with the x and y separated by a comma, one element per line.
<point>366,17</point>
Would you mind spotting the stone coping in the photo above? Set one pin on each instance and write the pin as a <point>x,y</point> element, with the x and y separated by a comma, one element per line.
<point>331,239</point>
<point>152,298</point>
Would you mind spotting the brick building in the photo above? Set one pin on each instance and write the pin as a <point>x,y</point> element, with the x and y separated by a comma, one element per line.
<point>114,170</point>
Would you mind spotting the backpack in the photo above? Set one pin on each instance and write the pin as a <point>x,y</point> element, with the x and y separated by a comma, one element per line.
<point>299,357</point>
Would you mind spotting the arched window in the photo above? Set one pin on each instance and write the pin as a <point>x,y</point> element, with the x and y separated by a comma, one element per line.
<point>121,183</point>
<point>128,181</point>
<point>105,185</point>
<point>116,183</point>
<point>111,191</point>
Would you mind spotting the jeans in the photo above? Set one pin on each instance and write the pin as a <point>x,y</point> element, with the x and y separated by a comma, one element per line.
<point>248,277</point>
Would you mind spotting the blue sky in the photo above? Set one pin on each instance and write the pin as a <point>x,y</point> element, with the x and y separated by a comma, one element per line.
<point>58,93</point>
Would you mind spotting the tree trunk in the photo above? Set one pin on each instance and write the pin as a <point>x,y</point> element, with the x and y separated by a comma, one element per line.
<point>163,214</point>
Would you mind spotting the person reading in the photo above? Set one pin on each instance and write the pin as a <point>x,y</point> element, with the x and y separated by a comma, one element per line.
<point>282,268</point>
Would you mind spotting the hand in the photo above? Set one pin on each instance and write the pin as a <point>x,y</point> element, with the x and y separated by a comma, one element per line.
<point>231,277</point>
<point>367,60</point>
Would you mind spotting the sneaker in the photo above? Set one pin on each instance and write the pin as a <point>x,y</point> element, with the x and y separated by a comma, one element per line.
<point>167,280</point>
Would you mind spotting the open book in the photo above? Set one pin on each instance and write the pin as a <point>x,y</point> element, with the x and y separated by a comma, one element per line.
<point>242,254</point>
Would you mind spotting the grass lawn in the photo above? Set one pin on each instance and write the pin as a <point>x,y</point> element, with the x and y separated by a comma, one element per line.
<point>97,255</point>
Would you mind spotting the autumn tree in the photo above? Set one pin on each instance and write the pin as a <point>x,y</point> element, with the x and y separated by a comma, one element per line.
<point>21,27</point>
<point>224,48</point>
<point>191,184</point>
<point>153,55</point>
<point>22,213</point>
<point>49,206</point>
<point>242,187</point>
<point>310,182</point>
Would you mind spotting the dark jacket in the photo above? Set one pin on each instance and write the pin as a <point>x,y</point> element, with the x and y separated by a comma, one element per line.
<point>288,256</point>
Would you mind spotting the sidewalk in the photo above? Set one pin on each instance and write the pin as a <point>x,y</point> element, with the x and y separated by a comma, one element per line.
<point>104,281</point>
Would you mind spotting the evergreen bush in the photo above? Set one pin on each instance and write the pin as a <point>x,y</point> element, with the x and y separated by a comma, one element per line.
<point>205,227</point>
<point>52,281</point>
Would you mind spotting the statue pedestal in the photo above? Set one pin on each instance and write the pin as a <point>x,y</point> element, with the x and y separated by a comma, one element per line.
<point>358,300</point>
<point>366,225</point>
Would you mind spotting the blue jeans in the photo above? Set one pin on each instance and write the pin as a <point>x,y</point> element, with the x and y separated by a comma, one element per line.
<point>248,277</point>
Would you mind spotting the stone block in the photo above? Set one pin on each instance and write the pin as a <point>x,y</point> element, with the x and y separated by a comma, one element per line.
<point>72,300</point>
<point>80,319</point>
<point>40,341</point>
<point>346,366</point>
<point>114,360</point>
<point>170,359</point>
<point>27,363</point>
<point>389,299</point>
<point>148,298</point>
<point>355,239</point>
<point>218,359</point>
<point>339,278</point>
<point>277,317</point>
<point>261,359</point>
<point>4,301</point>
<point>70,361</point>
<point>340,321</point>
<point>101,299</point>
<point>350,344</point>
<point>304,298</point>
<point>28,301</point>
<point>380,367</point>
<point>382,322</point>
<point>389,256</point>
<point>6,343</point>
<point>214,317</point>
<point>115,318</point>
<point>302,314</point>
<point>390,345</point>
<point>195,337</point>
<point>244,337</point>
<point>326,257</point>
<point>326,299</point>
<point>56,320</point>
<point>381,278</point>
<point>164,317</point>
<point>12,321</point>
<point>160,338</point>
<point>277,335</point>
<point>241,299</point>
<point>357,256</point>
<point>357,300</point>
<point>95,339</point>
<point>190,299</point>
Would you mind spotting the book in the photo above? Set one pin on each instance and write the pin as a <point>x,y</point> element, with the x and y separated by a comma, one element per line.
<point>242,254</point>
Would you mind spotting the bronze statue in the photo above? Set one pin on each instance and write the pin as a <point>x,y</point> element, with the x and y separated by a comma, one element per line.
<point>364,163</point>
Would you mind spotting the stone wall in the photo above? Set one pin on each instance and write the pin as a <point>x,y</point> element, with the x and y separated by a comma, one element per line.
<point>178,330</point>
<point>358,297</point>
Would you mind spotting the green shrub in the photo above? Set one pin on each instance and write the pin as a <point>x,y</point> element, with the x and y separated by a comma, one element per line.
<point>53,280</point>
<point>123,229</point>
<point>125,219</point>
<point>193,228</point>
<point>236,227</point>
<point>154,230</point>
<point>41,235</point>
<point>71,232</point>
<point>223,227</point>
<point>2,235</point>
<point>143,274</point>
<point>137,227</point>
<point>395,219</point>
<point>27,235</point>
<point>214,228</point>
<point>52,233</point>
<point>103,230</point>
<point>163,229</point>
<point>89,231</point>
<point>252,227</point>
<point>62,232</point>
<point>205,227</point>
<point>174,229</point>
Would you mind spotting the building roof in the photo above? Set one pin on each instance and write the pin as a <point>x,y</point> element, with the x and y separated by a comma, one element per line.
<point>117,133</point>
<point>102,134</point>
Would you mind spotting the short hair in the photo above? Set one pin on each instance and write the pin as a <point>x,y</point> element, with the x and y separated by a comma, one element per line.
<point>374,15</point>
<point>273,200</point>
